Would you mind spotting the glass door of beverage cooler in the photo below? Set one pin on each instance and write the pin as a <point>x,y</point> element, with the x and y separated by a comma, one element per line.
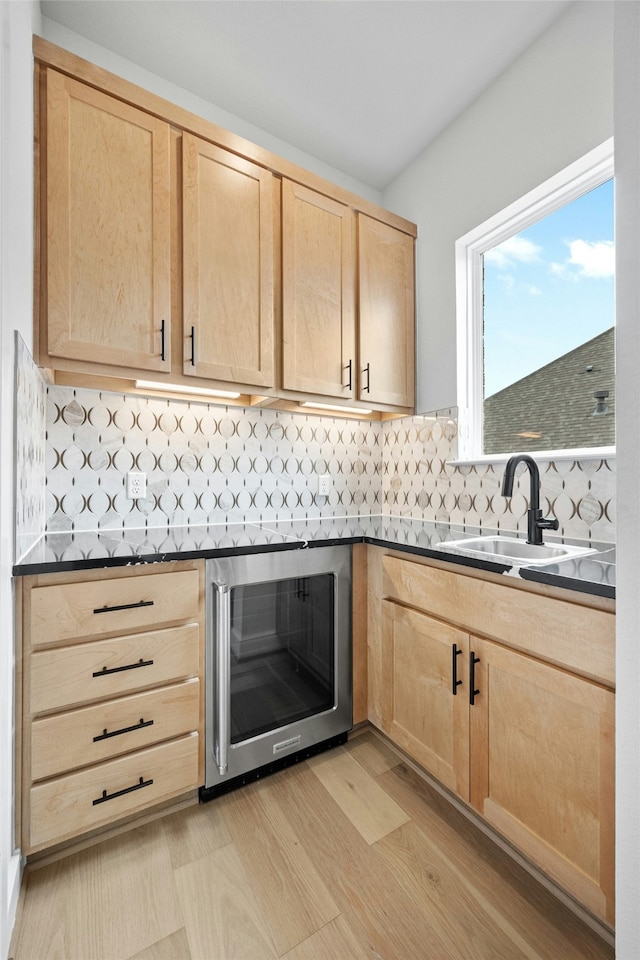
<point>281,663</point>
<point>278,657</point>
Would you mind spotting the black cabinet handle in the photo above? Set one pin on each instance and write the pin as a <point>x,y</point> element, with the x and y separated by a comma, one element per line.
<point>120,793</point>
<point>349,367</point>
<point>129,666</point>
<point>163,332</point>
<point>125,606</point>
<point>116,733</point>
<point>473,692</point>
<point>367,370</point>
<point>192,337</point>
<point>455,683</point>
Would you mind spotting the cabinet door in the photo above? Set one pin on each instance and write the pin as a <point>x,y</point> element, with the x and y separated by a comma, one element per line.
<point>108,229</point>
<point>387,314</point>
<point>228,266</point>
<point>318,294</point>
<point>542,769</point>
<point>420,710</point>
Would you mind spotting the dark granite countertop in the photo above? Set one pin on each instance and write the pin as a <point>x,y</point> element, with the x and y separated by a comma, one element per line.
<point>56,552</point>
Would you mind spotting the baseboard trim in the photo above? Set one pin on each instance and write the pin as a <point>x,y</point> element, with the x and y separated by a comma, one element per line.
<point>15,869</point>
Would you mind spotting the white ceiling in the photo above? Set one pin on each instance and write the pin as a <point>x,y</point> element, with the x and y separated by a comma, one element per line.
<point>363,85</point>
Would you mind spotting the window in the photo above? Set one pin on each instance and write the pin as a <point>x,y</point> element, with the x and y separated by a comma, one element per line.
<point>535,308</point>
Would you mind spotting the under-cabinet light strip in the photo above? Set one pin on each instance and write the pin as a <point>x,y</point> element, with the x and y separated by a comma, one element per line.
<point>334,407</point>
<point>181,388</point>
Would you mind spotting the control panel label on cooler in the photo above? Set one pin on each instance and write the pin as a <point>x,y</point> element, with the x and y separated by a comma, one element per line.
<point>287,744</point>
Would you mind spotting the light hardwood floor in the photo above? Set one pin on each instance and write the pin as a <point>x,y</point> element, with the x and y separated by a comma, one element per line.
<point>348,856</point>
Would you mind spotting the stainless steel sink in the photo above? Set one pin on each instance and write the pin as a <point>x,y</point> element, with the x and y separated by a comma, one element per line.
<point>514,551</point>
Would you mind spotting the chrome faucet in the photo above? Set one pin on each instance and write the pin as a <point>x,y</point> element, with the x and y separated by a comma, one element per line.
<point>536,523</point>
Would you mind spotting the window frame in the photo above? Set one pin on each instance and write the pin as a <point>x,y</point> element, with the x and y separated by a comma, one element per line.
<point>590,171</point>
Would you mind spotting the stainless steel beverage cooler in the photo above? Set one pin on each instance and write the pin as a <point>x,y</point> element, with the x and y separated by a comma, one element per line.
<point>278,661</point>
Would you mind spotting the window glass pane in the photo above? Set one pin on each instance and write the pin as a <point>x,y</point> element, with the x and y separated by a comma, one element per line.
<point>548,330</point>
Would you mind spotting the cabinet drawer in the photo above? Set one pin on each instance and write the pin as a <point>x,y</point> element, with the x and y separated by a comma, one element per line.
<point>94,734</point>
<point>81,801</point>
<point>69,676</point>
<point>561,632</point>
<point>117,605</point>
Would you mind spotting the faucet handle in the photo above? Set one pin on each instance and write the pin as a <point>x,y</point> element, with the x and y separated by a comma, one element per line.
<point>548,523</point>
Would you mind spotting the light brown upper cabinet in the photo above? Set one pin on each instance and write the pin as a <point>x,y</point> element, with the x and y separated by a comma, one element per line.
<point>318,307</point>
<point>386,313</point>
<point>348,303</point>
<point>108,253</point>
<point>166,245</point>
<point>228,265</point>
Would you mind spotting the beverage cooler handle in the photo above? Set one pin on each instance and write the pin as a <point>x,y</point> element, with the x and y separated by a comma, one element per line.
<point>223,653</point>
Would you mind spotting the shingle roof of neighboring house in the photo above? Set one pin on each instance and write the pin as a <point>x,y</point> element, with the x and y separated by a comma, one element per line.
<point>555,404</point>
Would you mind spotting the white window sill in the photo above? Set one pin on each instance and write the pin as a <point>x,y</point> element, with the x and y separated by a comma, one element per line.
<point>586,453</point>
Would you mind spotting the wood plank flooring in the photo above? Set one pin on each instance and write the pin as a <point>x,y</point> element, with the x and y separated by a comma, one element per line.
<point>348,856</point>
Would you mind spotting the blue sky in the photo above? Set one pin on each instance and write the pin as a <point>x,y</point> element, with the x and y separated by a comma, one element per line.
<point>549,288</point>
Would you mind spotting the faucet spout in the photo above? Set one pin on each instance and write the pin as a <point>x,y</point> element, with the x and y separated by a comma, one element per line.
<point>536,523</point>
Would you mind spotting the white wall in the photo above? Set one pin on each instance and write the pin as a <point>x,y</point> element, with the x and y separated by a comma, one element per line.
<point>627,147</point>
<point>17,23</point>
<point>104,58</point>
<point>549,108</point>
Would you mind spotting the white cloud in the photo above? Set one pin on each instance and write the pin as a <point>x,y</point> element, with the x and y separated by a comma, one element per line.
<point>587,259</point>
<point>595,259</point>
<point>512,251</point>
<point>535,291</point>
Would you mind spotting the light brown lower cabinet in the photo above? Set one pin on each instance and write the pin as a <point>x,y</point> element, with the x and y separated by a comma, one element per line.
<point>112,701</point>
<point>421,659</point>
<point>542,768</point>
<point>99,795</point>
<point>528,744</point>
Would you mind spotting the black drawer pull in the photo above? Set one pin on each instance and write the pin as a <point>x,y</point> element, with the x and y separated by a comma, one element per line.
<point>120,793</point>
<point>163,333</point>
<point>116,733</point>
<point>129,666</point>
<point>125,606</point>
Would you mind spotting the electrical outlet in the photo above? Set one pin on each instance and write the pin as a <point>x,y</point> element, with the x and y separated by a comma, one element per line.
<point>324,484</point>
<point>136,485</point>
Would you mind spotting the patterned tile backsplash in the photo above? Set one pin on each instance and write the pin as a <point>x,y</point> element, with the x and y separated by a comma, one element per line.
<point>204,464</point>
<point>419,481</point>
<point>30,394</point>
<point>211,464</point>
